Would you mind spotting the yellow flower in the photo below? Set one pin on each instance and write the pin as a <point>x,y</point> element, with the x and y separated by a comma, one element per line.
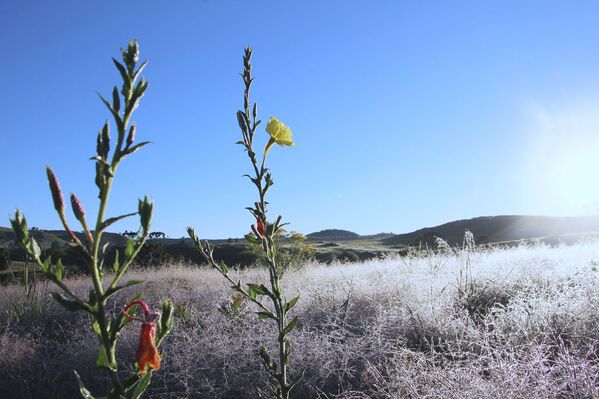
<point>279,133</point>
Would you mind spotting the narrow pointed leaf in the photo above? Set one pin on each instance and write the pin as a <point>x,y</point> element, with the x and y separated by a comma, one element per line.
<point>115,219</point>
<point>85,393</point>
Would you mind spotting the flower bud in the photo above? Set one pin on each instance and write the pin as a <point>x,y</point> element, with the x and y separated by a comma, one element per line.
<point>77,208</point>
<point>145,208</point>
<point>131,136</point>
<point>55,189</point>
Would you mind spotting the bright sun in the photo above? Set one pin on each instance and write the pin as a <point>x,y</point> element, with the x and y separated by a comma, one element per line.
<point>563,168</point>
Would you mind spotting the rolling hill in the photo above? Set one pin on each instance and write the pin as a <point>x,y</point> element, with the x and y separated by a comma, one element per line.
<point>499,228</point>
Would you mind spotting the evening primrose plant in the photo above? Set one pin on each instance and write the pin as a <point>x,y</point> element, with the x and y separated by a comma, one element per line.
<point>107,327</point>
<point>271,302</point>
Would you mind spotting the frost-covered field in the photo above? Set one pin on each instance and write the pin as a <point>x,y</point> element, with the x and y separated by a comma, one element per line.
<point>520,322</point>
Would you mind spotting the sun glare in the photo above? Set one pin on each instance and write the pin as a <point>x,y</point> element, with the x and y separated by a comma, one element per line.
<point>564,160</point>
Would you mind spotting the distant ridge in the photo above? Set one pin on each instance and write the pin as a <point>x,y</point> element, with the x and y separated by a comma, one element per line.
<point>333,234</point>
<point>499,228</point>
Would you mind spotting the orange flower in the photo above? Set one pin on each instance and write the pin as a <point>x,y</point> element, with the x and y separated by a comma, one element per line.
<point>147,354</point>
<point>260,227</point>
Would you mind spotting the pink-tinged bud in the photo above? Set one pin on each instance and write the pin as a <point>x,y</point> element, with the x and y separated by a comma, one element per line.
<point>131,136</point>
<point>77,207</point>
<point>55,189</point>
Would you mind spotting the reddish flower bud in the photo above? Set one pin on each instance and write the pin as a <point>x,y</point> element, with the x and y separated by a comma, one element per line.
<point>77,208</point>
<point>147,354</point>
<point>55,189</point>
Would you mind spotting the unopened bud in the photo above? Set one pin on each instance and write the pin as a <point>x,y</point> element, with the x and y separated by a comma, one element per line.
<point>131,135</point>
<point>55,189</point>
<point>77,207</point>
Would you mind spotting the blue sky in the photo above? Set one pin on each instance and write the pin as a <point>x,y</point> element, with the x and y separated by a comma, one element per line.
<point>405,114</point>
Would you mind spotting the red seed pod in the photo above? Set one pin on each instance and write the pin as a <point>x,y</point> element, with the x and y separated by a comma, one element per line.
<point>55,189</point>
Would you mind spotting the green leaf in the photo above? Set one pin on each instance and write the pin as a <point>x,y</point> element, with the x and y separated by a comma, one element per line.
<point>115,114</point>
<point>122,70</point>
<point>291,304</point>
<point>59,273</point>
<point>45,266</point>
<point>130,248</point>
<point>115,219</point>
<point>139,70</point>
<point>82,389</point>
<point>69,305</point>
<point>142,385</point>
<point>289,326</point>
<point>116,100</point>
<point>252,239</point>
<point>120,287</point>
<point>116,265</point>
<point>223,268</point>
<point>136,147</point>
<point>35,250</point>
<point>266,315</point>
<point>102,360</point>
<point>96,328</point>
<point>257,289</point>
<point>166,321</point>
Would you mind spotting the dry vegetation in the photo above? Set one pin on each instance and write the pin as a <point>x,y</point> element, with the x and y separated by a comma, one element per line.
<point>502,323</point>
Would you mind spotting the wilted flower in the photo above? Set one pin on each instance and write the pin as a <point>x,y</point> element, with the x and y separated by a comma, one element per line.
<point>147,354</point>
<point>260,226</point>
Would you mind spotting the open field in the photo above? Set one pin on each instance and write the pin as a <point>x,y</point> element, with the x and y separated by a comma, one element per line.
<point>496,323</point>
